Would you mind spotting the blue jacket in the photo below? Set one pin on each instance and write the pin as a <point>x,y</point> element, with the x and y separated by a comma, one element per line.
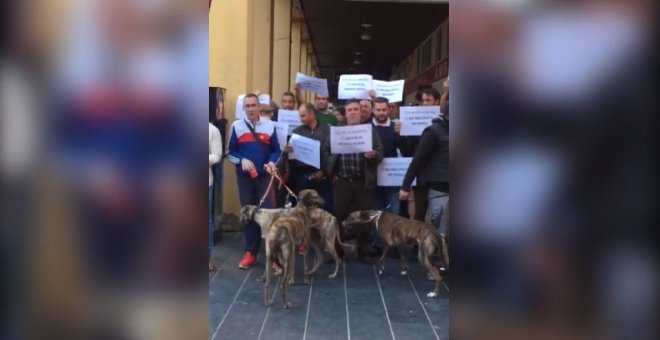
<point>243,145</point>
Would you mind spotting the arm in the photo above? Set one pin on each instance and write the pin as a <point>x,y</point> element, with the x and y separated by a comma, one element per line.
<point>299,97</point>
<point>275,150</point>
<point>424,152</point>
<point>215,148</point>
<point>233,153</point>
<point>377,145</point>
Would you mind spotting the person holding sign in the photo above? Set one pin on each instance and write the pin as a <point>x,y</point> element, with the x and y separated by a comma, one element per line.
<point>430,97</point>
<point>323,114</point>
<point>254,149</point>
<point>430,166</point>
<point>356,177</point>
<point>305,176</point>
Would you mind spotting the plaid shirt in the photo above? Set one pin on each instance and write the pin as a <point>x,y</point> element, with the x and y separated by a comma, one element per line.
<point>351,165</point>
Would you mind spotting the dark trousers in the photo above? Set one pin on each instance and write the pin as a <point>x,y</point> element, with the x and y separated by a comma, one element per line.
<point>352,196</point>
<point>250,191</point>
<point>211,219</point>
<point>324,188</point>
<point>421,195</point>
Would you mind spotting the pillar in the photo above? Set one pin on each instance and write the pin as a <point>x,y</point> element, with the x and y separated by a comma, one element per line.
<point>281,48</point>
<point>296,28</point>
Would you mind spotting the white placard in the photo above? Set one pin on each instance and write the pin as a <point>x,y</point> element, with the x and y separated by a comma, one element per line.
<point>312,84</point>
<point>264,99</point>
<point>414,119</point>
<point>355,86</point>
<point>392,170</point>
<point>281,130</point>
<point>306,150</point>
<point>350,139</point>
<point>392,90</point>
<point>290,117</point>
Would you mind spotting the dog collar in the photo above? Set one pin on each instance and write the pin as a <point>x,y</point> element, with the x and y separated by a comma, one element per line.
<point>378,215</point>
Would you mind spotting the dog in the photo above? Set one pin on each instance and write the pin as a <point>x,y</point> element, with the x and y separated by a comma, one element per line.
<point>327,226</point>
<point>283,237</point>
<point>397,231</point>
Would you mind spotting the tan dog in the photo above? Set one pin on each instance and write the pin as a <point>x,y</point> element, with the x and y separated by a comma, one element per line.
<point>283,237</point>
<point>327,226</point>
<point>397,231</point>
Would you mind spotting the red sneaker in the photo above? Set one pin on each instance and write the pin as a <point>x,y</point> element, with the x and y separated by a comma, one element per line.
<point>247,261</point>
<point>302,250</point>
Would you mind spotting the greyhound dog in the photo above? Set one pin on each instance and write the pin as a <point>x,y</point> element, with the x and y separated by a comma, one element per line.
<point>397,231</point>
<point>327,226</point>
<point>283,236</point>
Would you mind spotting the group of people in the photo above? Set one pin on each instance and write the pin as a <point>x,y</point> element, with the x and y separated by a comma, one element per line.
<point>346,182</point>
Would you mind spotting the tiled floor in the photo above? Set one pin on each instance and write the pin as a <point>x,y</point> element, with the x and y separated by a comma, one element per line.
<point>356,305</point>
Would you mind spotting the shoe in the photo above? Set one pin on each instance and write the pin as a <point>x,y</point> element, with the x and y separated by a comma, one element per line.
<point>302,250</point>
<point>247,261</point>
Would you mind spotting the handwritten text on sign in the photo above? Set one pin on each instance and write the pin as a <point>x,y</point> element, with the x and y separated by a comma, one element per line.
<point>392,90</point>
<point>306,150</point>
<point>391,171</point>
<point>290,117</point>
<point>312,84</point>
<point>355,86</point>
<point>350,139</point>
<point>414,119</point>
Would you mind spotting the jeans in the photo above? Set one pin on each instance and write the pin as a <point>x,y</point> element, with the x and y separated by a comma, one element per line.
<point>438,206</point>
<point>211,219</point>
<point>250,191</point>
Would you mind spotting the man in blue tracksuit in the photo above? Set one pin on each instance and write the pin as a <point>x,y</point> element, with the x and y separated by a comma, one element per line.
<point>254,148</point>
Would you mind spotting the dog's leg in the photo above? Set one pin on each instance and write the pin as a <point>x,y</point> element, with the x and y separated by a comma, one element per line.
<point>268,272</point>
<point>290,256</point>
<point>426,262</point>
<point>381,262</point>
<point>335,256</point>
<point>445,249</point>
<point>305,267</point>
<point>318,257</point>
<point>402,260</point>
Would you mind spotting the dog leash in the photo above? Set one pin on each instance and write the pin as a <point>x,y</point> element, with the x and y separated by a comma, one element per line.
<point>263,198</point>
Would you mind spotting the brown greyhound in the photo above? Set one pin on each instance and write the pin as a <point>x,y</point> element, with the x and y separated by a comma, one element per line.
<point>397,231</point>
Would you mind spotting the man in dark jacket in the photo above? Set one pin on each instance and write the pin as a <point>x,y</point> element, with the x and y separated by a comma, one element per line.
<point>356,176</point>
<point>430,166</point>
<point>305,176</point>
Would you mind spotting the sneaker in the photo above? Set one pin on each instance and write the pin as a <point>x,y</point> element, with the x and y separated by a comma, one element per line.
<point>247,261</point>
<point>302,250</point>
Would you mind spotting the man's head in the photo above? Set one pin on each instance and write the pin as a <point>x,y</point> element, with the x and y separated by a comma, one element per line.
<point>430,97</point>
<point>251,106</point>
<point>266,112</point>
<point>288,101</point>
<point>307,115</point>
<point>394,110</point>
<point>321,102</point>
<point>340,113</point>
<point>353,112</point>
<point>366,110</point>
<point>381,111</point>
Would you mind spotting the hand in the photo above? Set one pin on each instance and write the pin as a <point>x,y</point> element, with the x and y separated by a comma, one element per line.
<point>372,93</point>
<point>397,128</point>
<point>247,165</point>
<point>445,85</point>
<point>317,176</point>
<point>270,168</point>
<point>370,154</point>
<point>404,195</point>
<point>288,148</point>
